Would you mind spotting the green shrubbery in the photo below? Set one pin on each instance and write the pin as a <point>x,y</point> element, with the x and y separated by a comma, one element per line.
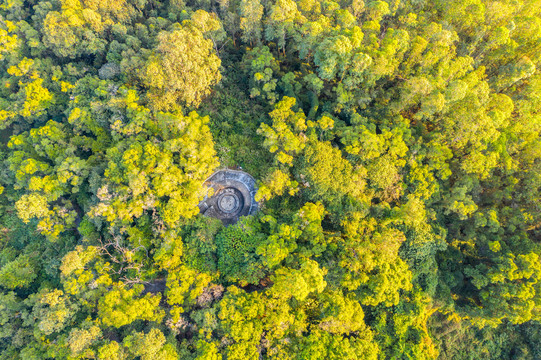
<point>396,148</point>
<point>236,249</point>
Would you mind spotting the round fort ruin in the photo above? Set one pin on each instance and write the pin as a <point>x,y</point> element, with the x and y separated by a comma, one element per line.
<point>231,195</point>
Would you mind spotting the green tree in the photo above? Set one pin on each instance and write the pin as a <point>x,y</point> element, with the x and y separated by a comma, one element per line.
<point>122,306</point>
<point>182,68</point>
<point>251,13</point>
<point>236,251</point>
<point>150,346</point>
<point>18,273</point>
<point>286,135</point>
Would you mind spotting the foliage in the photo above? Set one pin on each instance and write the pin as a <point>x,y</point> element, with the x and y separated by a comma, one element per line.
<point>397,155</point>
<point>183,67</point>
<point>235,248</point>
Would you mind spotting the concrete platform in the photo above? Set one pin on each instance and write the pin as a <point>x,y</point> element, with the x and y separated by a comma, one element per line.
<point>231,195</point>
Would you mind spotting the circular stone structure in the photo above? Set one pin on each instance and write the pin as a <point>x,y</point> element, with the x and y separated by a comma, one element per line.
<point>232,196</point>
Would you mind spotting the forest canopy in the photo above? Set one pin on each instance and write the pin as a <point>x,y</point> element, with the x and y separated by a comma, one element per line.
<point>397,152</point>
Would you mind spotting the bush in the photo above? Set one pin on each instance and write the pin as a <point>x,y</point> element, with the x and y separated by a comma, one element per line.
<point>237,260</point>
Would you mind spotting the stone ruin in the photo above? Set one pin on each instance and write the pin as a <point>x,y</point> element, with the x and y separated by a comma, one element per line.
<point>232,196</point>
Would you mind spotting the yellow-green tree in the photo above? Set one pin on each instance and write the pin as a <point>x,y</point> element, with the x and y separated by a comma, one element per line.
<point>182,68</point>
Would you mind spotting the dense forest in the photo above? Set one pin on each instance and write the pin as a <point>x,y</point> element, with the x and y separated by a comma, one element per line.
<point>397,155</point>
